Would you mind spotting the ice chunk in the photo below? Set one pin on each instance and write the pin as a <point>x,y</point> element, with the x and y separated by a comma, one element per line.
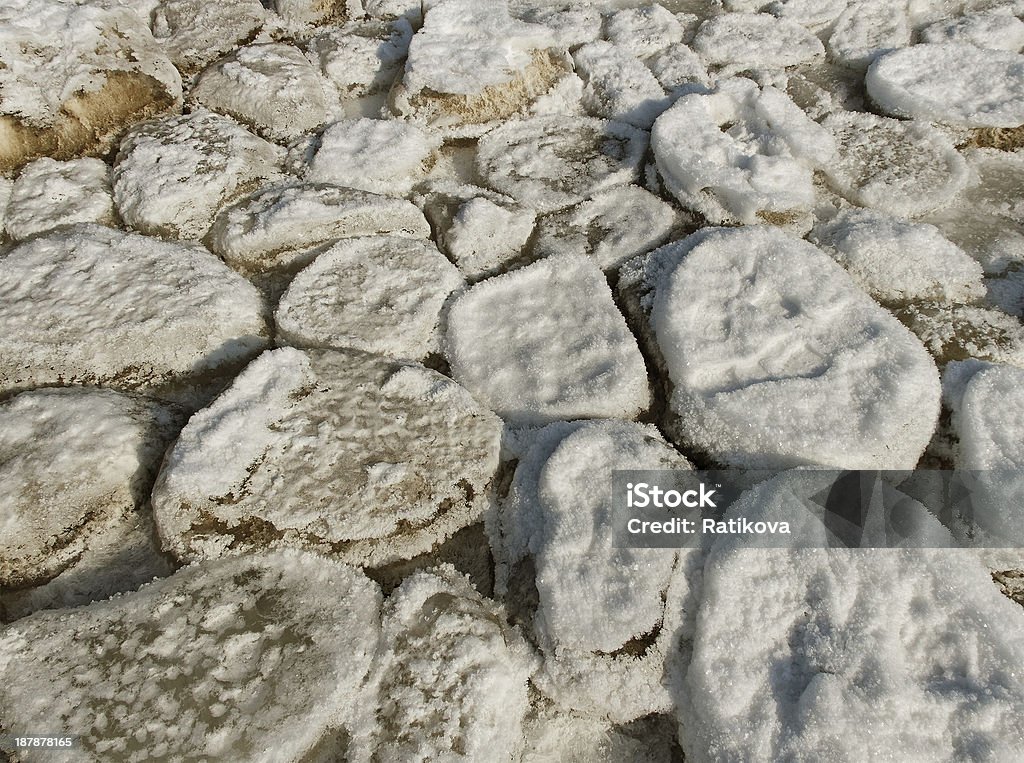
<point>380,294</point>
<point>644,31</point>
<point>551,162</point>
<point>905,168</point>
<point>600,618</point>
<point>257,656</point>
<point>610,227</point>
<point>362,58</point>
<point>994,31</point>
<point>813,14</point>
<point>739,151</point>
<point>349,454</point>
<point>270,87</point>
<point>48,194</point>
<point>957,332</point>
<point>987,419</point>
<point>618,86</point>
<point>816,653</point>
<point>383,156</point>
<point>311,12</point>
<point>755,41</point>
<point>472,63</point>
<point>570,26</point>
<point>452,679</point>
<point>778,358</point>
<point>91,305</point>
<point>952,82</point>
<point>484,236</point>
<point>74,75</point>
<point>678,66</point>
<point>194,33</point>
<point>899,261</point>
<point>868,29</point>
<point>75,468</point>
<point>171,176</point>
<point>546,342</point>
<point>280,226</point>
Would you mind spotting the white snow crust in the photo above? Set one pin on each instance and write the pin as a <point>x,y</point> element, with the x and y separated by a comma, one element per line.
<point>48,194</point>
<point>778,358</point>
<point>546,342</point>
<point>380,294</point>
<point>755,41</point>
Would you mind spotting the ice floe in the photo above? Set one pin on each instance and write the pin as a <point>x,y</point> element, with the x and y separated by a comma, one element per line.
<point>269,87</point>
<point>546,342</point>
<point>261,653</point>
<point>193,33</point>
<point>778,358</point>
<point>380,294</point>
<point>48,194</point>
<point>617,85</point>
<point>951,82</point>
<point>93,305</point>
<point>755,41</point>
<point>551,162</point>
<point>363,458</point>
<point>740,151</point>
<point>172,175</point>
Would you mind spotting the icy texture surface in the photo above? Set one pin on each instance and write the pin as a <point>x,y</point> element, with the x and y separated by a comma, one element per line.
<point>952,82</point>
<point>346,453</point>
<point>778,358</point>
<point>755,40</point>
<point>995,31</point>
<point>74,75</point>
<point>545,343</point>
<point>277,226</point>
<point>595,603</point>
<point>868,29</point>
<point>74,466</point>
<point>904,168</point>
<point>895,260</point>
<point>212,662</point>
<point>453,678</point>
<point>618,86</point>
<point>738,151</point>
<point>193,33</point>
<point>171,176</point>
<point>372,155</point>
<point>644,31</point>
<point>48,194</point>
<point>272,88</point>
<point>851,655</point>
<point>93,305</point>
<point>552,162</point>
<point>380,294</point>
<point>362,58</point>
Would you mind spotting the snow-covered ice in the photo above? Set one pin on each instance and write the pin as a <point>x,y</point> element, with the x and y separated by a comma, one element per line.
<point>987,414</point>
<point>595,602</point>
<point>452,677</point>
<point>472,64</point>
<point>739,151</point>
<point>259,656</point>
<point>868,29</point>
<point>617,85</point>
<point>569,25</point>
<point>899,261</point>
<point>950,82</point>
<point>281,226</point>
<point>817,653</point>
<point>755,41</point>
<point>904,168</point>
<point>75,468</point>
<point>383,156</point>
<point>778,358</point>
<point>172,175</point>
<point>611,227</point>
<point>958,332</point>
<point>551,162</point>
<point>316,12</point>
<point>363,458</point>
<point>93,305</point>
<point>362,58</point>
<point>194,33</point>
<point>546,342</point>
<point>646,30</point>
<point>678,66</point>
<point>380,294</point>
<point>269,87</point>
<point>48,194</point>
<point>994,31</point>
<point>74,75</point>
